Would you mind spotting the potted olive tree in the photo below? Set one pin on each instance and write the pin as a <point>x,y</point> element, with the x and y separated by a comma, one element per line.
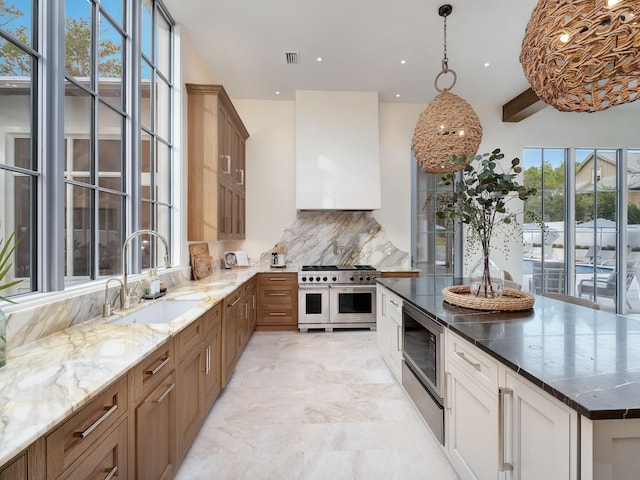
<point>479,200</point>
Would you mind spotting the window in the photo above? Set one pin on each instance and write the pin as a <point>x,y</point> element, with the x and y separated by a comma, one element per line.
<point>77,177</point>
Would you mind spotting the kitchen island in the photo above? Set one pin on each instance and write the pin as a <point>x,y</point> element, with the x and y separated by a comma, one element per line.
<point>586,362</point>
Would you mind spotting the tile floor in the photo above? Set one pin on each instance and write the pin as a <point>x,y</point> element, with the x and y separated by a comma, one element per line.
<point>314,405</point>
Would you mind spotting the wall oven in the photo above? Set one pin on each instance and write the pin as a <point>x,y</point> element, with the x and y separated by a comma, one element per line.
<point>423,366</point>
<point>336,296</point>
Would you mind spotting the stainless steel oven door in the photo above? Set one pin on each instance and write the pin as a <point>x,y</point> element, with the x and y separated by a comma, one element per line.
<point>353,304</point>
<point>313,304</point>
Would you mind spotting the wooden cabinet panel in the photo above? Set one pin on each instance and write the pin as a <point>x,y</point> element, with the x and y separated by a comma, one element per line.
<point>155,432</point>
<point>213,352</point>
<point>80,432</point>
<point>16,469</point>
<point>151,371</point>
<point>190,397</point>
<point>277,301</point>
<point>190,337</point>
<point>217,165</point>
<point>107,460</point>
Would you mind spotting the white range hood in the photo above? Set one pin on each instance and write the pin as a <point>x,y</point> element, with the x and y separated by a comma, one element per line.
<point>337,151</point>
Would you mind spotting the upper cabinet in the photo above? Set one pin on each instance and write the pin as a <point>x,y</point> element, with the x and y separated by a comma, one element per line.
<point>217,166</point>
<point>337,151</point>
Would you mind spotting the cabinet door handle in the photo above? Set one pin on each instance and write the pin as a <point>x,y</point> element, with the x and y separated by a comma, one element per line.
<point>475,365</point>
<point>399,337</point>
<point>241,182</point>
<point>277,314</point>
<point>277,279</point>
<point>237,300</point>
<point>95,424</point>
<point>166,392</point>
<point>207,360</point>
<point>111,473</point>
<point>502,465</point>
<point>227,169</point>
<point>159,367</point>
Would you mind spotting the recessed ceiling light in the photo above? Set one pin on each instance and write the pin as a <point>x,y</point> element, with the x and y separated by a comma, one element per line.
<point>402,62</point>
<point>277,93</point>
<point>397,95</point>
<point>487,64</point>
<point>319,59</point>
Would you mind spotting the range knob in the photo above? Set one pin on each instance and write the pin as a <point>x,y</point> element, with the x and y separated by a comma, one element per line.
<point>335,279</point>
<point>351,278</point>
<point>311,279</point>
<point>317,279</point>
<point>324,279</point>
<point>361,279</point>
<point>368,279</point>
<point>304,279</point>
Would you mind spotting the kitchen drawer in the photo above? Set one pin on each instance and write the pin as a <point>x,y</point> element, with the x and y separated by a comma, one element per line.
<point>476,363</point>
<point>212,318</point>
<point>248,286</point>
<point>394,305</point>
<point>278,294</point>
<point>278,315</point>
<point>108,460</point>
<point>80,432</point>
<point>233,298</point>
<point>149,373</point>
<point>190,337</point>
<point>278,279</point>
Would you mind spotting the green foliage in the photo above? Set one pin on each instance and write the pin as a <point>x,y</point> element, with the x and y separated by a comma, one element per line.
<point>6,251</point>
<point>480,198</point>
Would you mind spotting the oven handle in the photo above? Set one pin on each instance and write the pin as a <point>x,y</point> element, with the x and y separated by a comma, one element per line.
<point>311,287</point>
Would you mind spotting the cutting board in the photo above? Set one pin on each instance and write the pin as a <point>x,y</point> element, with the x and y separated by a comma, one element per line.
<point>201,261</point>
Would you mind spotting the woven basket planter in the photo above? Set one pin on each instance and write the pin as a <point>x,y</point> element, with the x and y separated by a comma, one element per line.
<point>510,301</point>
<point>582,55</point>
<point>447,127</point>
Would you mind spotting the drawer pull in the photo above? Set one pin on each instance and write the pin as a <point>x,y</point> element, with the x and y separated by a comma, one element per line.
<point>395,303</point>
<point>207,360</point>
<point>503,466</point>
<point>159,367</point>
<point>166,392</point>
<point>277,314</point>
<point>399,338</point>
<point>477,366</point>
<point>277,279</point>
<point>111,473</point>
<point>95,424</point>
<point>277,294</point>
<point>237,300</point>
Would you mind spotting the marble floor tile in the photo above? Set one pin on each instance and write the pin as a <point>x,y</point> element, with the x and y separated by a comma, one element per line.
<point>315,405</point>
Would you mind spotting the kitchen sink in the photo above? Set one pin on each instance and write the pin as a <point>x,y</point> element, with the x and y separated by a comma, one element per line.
<point>160,312</point>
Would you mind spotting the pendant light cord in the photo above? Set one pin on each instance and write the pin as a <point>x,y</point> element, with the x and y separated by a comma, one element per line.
<point>445,60</point>
<point>444,11</point>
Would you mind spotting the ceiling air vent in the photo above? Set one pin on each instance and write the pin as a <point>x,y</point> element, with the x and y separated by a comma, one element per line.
<point>291,57</point>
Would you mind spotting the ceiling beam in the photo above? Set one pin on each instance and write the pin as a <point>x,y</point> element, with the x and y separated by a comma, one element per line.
<point>522,106</point>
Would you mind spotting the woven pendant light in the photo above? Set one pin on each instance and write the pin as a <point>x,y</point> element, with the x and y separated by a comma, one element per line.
<point>448,126</point>
<point>583,55</point>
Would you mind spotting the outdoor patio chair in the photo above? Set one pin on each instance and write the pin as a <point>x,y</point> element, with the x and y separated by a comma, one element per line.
<point>604,287</point>
<point>588,256</point>
<point>551,278</point>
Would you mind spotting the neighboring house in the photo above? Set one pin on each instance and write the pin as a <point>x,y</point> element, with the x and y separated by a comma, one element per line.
<point>604,173</point>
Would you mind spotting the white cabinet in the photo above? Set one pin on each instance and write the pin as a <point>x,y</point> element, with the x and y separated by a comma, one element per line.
<point>389,329</point>
<point>501,426</point>
<point>540,433</point>
<point>471,410</point>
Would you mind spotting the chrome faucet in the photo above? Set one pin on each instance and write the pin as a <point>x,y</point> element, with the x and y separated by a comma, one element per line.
<point>125,247</point>
<point>106,306</point>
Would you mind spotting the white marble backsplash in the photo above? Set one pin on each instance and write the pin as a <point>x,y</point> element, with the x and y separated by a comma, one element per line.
<point>338,238</point>
<point>28,323</point>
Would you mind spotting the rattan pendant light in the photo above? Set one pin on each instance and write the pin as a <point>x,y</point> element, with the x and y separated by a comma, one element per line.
<point>448,126</point>
<point>583,55</point>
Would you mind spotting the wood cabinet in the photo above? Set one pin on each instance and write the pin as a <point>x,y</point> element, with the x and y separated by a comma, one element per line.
<point>30,464</point>
<point>277,301</point>
<point>154,382</point>
<point>237,327</point>
<point>389,329</point>
<point>198,347</point>
<point>500,425</point>
<point>92,439</point>
<point>217,165</point>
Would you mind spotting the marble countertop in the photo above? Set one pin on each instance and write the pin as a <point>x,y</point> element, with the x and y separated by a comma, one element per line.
<point>588,359</point>
<point>47,380</point>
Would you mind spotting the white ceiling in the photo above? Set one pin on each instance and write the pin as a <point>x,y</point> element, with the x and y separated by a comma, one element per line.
<point>362,42</point>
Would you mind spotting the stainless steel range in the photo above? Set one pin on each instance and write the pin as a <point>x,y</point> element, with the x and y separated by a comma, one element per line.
<point>337,296</point>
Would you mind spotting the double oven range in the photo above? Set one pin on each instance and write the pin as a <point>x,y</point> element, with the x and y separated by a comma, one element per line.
<point>337,296</point>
